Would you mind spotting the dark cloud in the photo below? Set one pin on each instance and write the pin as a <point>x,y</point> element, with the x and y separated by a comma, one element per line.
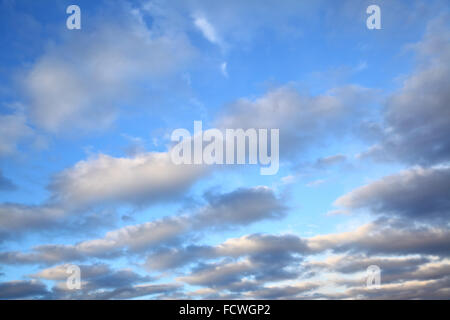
<point>261,247</point>
<point>240,207</point>
<point>19,220</point>
<point>349,264</point>
<point>386,236</point>
<point>100,281</point>
<point>283,292</point>
<point>426,289</point>
<point>417,116</point>
<point>417,193</point>
<point>22,289</point>
<point>237,208</point>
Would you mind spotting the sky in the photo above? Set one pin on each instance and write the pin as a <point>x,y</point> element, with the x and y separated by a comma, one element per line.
<point>87,178</point>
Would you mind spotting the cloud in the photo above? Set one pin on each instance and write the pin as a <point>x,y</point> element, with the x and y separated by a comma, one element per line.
<point>143,179</point>
<point>94,277</point>
<point>417,193</point>
<point>240,207</point>
<point>223,69</point>
<point>100,281</point>
<point>417,118</point>
<point>350,264</point>
<point>303,119</point>
<point>218,275</point>
<point>80,83</point>
<point>208,30</point>
<point>79,192</point>
<point>15,219</point>
<point>385,237</point>
<point>281,248</point>
<point>415,289</point>
<point>330,161</point>
<point>221,210</point>
<point>22,289</point>
<point>282,292</point>
<point>19,220</point>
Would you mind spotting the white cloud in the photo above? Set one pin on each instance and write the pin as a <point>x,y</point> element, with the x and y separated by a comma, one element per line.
<point>144,178</point>
<point>81,82</point>
<point>223,69</point>
<point>207,30</point>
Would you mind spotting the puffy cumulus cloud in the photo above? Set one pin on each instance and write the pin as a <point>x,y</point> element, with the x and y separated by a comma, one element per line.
<point>418,193</point>
<point>417,117</point>
<point>142,179</point>
<point>23,289</point>
<point>80,82</point>
<point>302,119</point>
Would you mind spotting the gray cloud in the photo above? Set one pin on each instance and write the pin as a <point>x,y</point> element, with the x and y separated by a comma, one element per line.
<point>386,237</point>
<point>349,264</point>
<point>259,246</point>
<point>95,276</point>
<point>330,161</point>
<point>283,292</point>
<point>303,119</point>
<point>417,117</point>
<point>22,289</point>
<point>99,281</point>
<point>425,289</point>
<point>17,220</point>
<point>417,193</point>
<point>260,203</point>
<point>240,207</point>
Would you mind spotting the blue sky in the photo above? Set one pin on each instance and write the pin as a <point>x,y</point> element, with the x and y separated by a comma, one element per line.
<point>86,178</point>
